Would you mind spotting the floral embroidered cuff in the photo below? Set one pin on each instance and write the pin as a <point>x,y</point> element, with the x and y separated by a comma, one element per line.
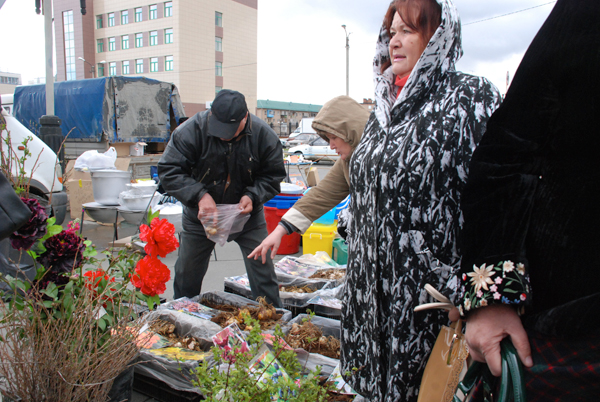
<point>502,283</point>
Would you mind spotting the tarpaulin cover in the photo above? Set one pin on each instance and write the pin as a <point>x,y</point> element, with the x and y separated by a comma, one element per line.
<point>123,109</point>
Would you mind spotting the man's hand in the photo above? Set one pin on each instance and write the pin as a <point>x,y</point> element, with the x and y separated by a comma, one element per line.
<point>271,242</point>
<point>246,204</point>
<point>487,326</point>
<point>207,210</point>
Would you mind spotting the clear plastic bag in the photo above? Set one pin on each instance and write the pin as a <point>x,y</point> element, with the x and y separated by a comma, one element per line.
<point>228,220</point>
<point>93,160</point>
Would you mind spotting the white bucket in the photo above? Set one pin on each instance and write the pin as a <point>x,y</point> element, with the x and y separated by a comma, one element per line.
<point>108,184</point>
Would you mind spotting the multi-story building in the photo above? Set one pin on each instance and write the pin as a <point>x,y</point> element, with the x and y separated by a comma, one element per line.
<point>201,46</point>
<point>8,82</point>
<point>284,117</point>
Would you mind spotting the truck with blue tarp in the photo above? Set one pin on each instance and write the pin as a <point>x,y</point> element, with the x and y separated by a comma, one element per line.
<point>99,112</point>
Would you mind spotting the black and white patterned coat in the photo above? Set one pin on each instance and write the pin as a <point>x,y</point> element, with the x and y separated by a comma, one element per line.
<point>406,176</point>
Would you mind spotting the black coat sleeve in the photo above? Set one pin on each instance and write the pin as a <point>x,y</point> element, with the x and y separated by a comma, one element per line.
<point>271,169</point>
<point>175,168</point>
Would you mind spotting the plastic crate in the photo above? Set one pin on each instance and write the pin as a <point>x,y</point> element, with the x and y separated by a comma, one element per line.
<point>340,251</point>
<point>161,391</point>
<point>318,238</point>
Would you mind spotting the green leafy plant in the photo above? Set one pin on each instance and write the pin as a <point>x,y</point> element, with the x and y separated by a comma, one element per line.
<point>233,378</point>
<point>71,330</point>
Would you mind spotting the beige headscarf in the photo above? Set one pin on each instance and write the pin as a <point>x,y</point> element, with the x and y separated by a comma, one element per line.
<point>343,117</point>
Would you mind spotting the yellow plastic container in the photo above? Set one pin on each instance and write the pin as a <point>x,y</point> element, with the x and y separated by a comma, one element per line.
<point>319,237</point>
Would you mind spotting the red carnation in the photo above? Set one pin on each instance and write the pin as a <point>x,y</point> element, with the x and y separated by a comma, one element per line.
<point>159,237</point>
<point>93,278</point>
<point>151,275</point>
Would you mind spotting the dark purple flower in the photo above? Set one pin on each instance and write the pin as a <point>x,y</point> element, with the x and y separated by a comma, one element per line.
<point>33,230</point>
<point>63,252</point>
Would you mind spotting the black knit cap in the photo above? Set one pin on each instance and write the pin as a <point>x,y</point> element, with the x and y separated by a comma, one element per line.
<point>227,111</point>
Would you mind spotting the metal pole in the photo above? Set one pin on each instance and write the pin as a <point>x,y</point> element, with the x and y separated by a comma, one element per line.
<point>347,67</point>
<point>347,61</point>
<point>49,72</point>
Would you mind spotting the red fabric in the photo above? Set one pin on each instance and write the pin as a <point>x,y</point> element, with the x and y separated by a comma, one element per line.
<point>401,82</point>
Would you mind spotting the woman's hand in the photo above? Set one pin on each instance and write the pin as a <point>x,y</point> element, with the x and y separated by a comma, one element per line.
<point>271,242</point>
<point>487,326</point>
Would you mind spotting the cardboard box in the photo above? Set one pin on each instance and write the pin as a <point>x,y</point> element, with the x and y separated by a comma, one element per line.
<point>122,148</point>
<point>312,177</point>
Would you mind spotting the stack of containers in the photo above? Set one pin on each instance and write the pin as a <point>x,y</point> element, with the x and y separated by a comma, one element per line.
<point>320,235</point>
<point>276,208</point>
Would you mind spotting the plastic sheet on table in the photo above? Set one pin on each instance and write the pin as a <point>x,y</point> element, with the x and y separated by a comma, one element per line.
<point>165,365</point>
<point>320,258</point>
<point>218,297</point>
<point>329,327</point>
<point>188,306</point>
<point>291,266</point>
<point>239,285</point>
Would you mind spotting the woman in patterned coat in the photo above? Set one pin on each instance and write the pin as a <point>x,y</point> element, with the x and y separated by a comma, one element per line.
<point>406,176</point>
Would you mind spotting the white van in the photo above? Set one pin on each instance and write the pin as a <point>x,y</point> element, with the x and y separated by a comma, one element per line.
<point>7,103</point>
<point>42,167</point>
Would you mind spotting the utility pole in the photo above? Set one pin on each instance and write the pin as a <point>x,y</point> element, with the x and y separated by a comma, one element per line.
<point>47,6</point>
<point>347,61</point>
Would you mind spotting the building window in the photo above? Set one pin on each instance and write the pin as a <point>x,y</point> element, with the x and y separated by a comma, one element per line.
<point>169,35</point>
<point>138,14</point>
<point>218,44</point>
<point>125,42</point>
<point>139,66</point>
<point>168,63</point>
<point>69,32</point>
<point>124,17</point>
<point>153,38</point>
<point>100,45</point>
<point>111,19</point>
<point>100,69</point>
<point>154,64</point>
<point>169,9</point>
<point>218,69</point>
<point>218,19</point>
<point>139,40</point>
<point>217,90</point>
<point>153,12</point>
<point>112,44</point>
<point>98,21</point>
<point>125,67</point>
<point>112,68</point>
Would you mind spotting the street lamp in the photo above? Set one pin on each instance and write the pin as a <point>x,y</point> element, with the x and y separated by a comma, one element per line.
<point>92,68</point>
<point>347,60</point>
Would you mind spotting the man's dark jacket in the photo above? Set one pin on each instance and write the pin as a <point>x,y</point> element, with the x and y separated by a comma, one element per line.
<point>195,163</point>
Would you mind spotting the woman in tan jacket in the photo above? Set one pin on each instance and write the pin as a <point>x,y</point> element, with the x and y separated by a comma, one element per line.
<point>340,122</point>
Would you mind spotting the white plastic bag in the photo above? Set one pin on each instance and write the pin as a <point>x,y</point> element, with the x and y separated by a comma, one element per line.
<point>228,220</point>
<point>92,160</point>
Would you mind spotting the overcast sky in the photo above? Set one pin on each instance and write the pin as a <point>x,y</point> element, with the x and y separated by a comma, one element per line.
<point>301,43</point>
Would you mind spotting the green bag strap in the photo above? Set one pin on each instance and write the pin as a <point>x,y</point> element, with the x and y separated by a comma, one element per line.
<point>512,381</point>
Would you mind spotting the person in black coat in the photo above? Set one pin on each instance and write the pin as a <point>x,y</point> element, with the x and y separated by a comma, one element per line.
<point>224,155</point>
<point>530,266</point>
